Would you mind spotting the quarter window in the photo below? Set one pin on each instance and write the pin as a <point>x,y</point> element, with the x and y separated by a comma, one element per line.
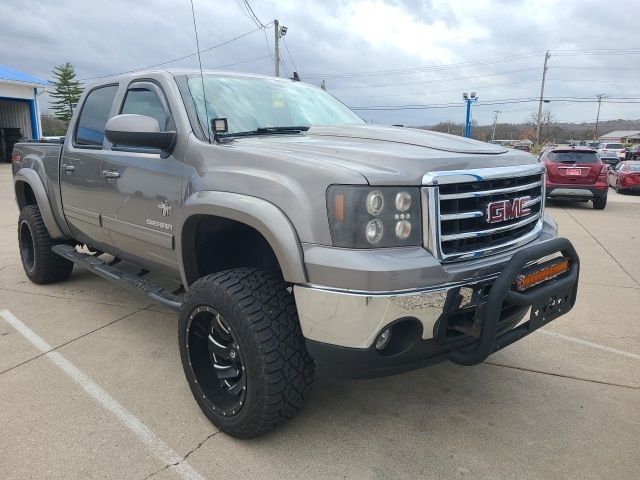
<point>94,116</point>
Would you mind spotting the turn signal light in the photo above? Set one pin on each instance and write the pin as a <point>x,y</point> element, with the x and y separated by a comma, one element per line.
<point>547,272</point>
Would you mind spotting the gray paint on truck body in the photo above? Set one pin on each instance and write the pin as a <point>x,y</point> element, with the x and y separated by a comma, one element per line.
<point>275,183</point>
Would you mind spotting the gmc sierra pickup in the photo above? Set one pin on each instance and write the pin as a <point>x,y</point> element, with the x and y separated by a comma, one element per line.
<point>302,237</point>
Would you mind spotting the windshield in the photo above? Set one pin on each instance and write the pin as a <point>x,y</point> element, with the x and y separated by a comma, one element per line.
<point>249,103</point>
<point>593,144</point>
<point>612,146</point>
<point>573,157</point>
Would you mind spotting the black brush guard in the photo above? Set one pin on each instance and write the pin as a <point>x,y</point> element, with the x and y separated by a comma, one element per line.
<point>548,301</point>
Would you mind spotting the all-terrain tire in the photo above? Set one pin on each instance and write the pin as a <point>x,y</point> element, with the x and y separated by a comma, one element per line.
<point>40,264</point>
<point>261,314</point>
<point>600,203</point>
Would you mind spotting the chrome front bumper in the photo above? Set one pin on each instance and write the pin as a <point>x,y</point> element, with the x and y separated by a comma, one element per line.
<point>354,320</point>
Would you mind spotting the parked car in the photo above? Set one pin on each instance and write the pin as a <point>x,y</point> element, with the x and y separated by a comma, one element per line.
<point>295,242</point>
<point>616,148</point>
<point>609,158</point>
<point>524,147</point>
<point>593,145</point>
<point>633,153</point>
<point>625,176</point>
<point>576,174</point>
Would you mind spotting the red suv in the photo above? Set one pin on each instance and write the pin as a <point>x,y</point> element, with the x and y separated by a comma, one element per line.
<point>576,173</point>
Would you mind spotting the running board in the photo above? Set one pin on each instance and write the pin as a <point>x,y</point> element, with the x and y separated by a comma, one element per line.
<point>131,281</point>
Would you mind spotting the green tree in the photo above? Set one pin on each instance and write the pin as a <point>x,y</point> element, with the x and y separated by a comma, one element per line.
<point>66,91</point>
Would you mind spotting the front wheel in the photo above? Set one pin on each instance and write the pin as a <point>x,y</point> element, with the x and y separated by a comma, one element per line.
<point>243,352</point>
<point>600,203</point>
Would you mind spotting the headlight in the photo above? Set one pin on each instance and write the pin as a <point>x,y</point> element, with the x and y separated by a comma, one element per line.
<point>367,217</point>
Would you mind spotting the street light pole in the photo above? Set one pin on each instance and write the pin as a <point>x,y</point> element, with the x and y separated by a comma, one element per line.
<point>468,99</point>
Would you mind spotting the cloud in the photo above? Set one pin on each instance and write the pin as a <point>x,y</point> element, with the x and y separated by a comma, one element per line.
<point>409,39</point>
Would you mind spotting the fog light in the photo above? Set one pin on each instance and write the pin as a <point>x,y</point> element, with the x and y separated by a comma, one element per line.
<point>383,340</point>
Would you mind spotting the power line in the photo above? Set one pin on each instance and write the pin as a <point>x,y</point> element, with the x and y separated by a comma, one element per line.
<point>494,60</point>
<point>428,68</point>
<point>429,92</point>
<point>289,53</point>
<point>436,81</point>
<point>174,59</point>
<point>620,100</point>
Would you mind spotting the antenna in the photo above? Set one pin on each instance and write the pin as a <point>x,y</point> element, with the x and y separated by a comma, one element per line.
<point>204,95</point>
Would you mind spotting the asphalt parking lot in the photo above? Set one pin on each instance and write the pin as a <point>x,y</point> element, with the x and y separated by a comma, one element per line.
<point>112,401</point>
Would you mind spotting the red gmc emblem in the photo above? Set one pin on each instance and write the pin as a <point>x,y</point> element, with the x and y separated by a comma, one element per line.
<point>504,210</point>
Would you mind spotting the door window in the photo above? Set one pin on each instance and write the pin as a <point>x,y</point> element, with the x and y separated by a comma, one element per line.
<point>94,116</point>
<point>143,101</point>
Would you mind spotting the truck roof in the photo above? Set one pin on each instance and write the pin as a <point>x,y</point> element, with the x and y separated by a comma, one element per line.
<point>176,72</point>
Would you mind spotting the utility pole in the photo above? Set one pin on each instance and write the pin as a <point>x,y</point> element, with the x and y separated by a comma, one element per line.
<point>276,30</point>
<point>595,133</point>
<point>544,75</point>
<point>495,121</point>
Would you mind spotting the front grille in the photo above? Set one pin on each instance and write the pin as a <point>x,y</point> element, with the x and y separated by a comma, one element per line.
<point>457,224</point>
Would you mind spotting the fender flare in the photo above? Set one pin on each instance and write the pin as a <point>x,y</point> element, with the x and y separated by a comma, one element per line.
<point>31,178</point>
<point>255,212</point>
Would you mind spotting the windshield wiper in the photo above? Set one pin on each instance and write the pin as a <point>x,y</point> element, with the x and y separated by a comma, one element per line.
<point>266,131</point>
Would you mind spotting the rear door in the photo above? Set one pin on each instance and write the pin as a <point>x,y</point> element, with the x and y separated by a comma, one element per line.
<point>141,193</point>
<point>80,167</point>
<point>580,167</point>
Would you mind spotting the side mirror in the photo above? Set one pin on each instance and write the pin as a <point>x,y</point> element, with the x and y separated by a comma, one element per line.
<point>138,131</point>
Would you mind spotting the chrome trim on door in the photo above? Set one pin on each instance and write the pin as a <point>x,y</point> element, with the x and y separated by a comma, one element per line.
<point>145,234</point>
<point>82,215</point>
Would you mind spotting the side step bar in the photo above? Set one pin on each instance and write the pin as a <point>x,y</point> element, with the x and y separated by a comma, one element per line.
<point>134,282</point>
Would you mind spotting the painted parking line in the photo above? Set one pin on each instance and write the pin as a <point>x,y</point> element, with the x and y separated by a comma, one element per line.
<point>157,447</point>
<point>591,344</point>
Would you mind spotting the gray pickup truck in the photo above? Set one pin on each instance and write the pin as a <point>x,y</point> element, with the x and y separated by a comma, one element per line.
<point>297,236</point>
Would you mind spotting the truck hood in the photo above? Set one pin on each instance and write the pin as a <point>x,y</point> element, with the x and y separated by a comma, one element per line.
<point>384,155</point>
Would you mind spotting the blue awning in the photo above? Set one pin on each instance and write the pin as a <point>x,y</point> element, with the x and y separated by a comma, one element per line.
<point>13,75</point>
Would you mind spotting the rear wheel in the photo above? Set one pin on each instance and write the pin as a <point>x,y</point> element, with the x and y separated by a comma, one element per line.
<point>243,352</point>
<point>600,203</point>
<point>40,264</point>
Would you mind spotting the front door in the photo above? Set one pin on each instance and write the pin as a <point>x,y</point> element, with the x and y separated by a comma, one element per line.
<point>141,187</point>
<point>80,168</point>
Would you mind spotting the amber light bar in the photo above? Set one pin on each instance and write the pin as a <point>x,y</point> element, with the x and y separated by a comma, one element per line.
<point>547,272</point>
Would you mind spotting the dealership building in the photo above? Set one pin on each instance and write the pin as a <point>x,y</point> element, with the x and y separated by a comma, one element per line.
<point>19,109</point>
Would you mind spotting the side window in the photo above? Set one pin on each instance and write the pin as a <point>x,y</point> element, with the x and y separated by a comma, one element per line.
<point>143,101</point>
<point>94,116</point>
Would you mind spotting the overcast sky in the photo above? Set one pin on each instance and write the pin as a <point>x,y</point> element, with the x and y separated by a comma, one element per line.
<point>371,53</point>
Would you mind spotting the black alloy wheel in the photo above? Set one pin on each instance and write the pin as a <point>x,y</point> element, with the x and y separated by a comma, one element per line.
<point>216,360</point>
<point>27,250</point>
<point>40,263</point>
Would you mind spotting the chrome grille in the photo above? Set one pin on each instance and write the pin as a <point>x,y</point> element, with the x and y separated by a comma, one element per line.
<point>455,205</point>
